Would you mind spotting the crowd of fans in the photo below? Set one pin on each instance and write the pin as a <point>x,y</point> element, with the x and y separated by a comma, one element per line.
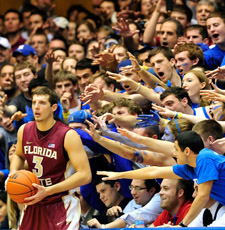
<point>130,77</point>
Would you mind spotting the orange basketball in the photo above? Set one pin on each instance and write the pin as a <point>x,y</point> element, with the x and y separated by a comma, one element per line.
<point>19,185</point>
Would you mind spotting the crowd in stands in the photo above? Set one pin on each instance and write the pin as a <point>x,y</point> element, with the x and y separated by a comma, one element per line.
<point>131,77</point>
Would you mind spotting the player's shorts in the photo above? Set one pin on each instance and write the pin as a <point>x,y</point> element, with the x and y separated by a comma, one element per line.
<point>62,215</point>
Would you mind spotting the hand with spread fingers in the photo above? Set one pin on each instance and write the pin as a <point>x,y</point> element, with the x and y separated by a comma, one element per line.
<point>92,131</point>
<point>148,120</point>
<point>17,116</point>
<point>91,94</point>
<point>122,26</point>
<point>218,73</point>
<point>163,111</point>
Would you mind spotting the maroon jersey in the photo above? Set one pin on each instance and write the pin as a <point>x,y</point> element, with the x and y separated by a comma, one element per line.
<point>46,157</point>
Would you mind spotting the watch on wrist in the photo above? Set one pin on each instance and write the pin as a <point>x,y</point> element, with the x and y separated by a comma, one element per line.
<point>181,224</point>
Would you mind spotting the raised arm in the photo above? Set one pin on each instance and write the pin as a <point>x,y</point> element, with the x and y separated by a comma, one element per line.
<point>130,153</point>
<point>154,145</point>
<point>199,202</point>
<point>150,79</point>
<point>143,173</point>
<point>149,33</point>
<point>136,87</point>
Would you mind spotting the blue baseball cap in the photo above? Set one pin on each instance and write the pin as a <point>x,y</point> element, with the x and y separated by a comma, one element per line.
<point>80,116</point>
<point>123,64</point>
<point>25,50</point>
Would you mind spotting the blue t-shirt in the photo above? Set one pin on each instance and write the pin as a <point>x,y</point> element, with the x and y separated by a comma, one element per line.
<point>209,166</point>
<point>213,57</point>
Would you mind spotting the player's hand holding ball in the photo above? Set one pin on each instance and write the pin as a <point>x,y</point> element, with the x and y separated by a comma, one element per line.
<point>22,184</point>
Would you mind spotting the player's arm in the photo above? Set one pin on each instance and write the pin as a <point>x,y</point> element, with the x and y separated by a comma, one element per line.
<point>18,158</point>
<point>199,202</point>
<point>79,161</point>
<point>143,173</point>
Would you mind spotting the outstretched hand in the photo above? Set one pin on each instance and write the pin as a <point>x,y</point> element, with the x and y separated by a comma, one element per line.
<point>148,120</point>
<point>17,116</point>
<point>92,132</point>
<point>110,175</point>
<point>163,111</point>
<point>124,29</point>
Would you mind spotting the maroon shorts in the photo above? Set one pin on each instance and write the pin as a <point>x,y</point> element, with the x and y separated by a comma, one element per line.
<point>63,215</point>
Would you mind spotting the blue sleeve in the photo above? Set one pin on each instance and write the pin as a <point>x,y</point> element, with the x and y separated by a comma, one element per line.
<point>5,172</point>
<point>184,171</point>
<point>90,143</point>
<point>206,169</point>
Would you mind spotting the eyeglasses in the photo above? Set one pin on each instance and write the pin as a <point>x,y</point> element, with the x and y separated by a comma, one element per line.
<point>136,188</point>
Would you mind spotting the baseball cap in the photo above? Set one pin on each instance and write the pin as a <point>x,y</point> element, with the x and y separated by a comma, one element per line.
<point>123,64</point>
<point>61,22</point>
<point>80,116</point>
<point>4,42</point>
<point>25,50</point>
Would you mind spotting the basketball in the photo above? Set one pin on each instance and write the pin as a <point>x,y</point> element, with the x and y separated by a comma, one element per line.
<point>19,185</point>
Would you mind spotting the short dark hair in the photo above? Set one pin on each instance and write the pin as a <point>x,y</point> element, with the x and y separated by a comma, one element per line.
<point>86,63</point>
<point>161,49</point>
<point>152,183</point>
<point>187,186</point>
<point>185,10</point>
<point>179,30</point>
<point>202,30</point>
<point>40,32</point>
<point>98,180</point>
<point>208,128</point>
<point>13,11</point>
<point>35,82</point>
<point>43,90</point>
<point>178,92</point>
<point>191,140</point>
<point>39,12</point>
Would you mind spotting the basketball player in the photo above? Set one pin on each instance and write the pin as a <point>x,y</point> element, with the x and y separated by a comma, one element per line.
<point>52,151</point>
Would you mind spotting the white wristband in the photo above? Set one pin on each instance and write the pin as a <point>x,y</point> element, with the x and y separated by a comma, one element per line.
<point>139,86</point>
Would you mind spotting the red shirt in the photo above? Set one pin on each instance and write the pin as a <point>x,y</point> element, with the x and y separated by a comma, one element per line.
<point>165,217</point>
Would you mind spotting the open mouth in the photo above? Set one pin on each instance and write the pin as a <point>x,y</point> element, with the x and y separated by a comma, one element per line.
<point>164,43</point>
<point>126,86</point>
<point>215,35</point>
<point>160,74</point>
